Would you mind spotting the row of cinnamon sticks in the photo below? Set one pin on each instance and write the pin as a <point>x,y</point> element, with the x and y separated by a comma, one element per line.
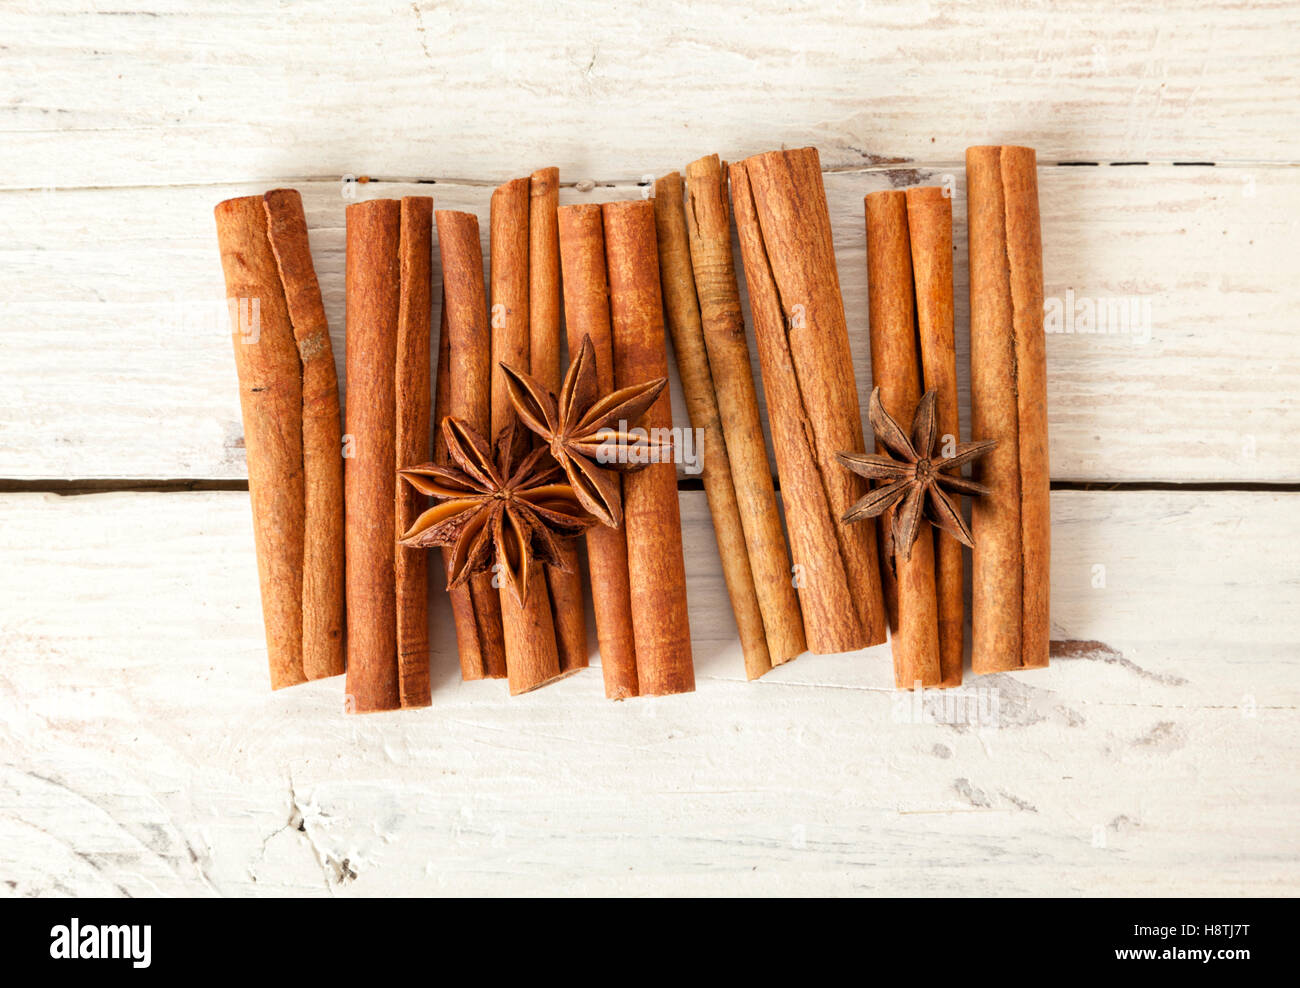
<point>625,272</point>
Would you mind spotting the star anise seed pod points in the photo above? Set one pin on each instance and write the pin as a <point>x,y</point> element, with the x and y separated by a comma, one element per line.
<point>587,434</point>
<point>914,477</point>
<point>492,508</point>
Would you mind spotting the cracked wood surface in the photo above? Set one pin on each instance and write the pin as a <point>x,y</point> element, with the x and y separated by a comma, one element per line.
<point>143,753</point>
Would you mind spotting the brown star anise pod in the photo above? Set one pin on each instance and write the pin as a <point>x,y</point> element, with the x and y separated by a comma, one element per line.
<point>496,506</point>
<point>590,435</point>
<point>912,473</point>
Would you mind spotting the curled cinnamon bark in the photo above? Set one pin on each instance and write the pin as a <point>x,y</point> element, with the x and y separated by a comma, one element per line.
<point>908,578</point>
<point>373,300</point>
<point>1011,525</point>
<point>322,584</point>
<point>270,399</point>
<point>469,362</point>
<point>709,223</point>
<point>651,514</point>
<point>586,307</point>
<point>682,313</point>
<point>812,401</point>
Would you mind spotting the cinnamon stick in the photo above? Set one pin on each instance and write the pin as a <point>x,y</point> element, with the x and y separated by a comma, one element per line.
<point>270,396</point>
<point>682,313</point>
<point>373,299</point>
<point>651,514</point>
<point>472,662</point>
<point>322,582</point>
<point>709,223</point>
<point>812,401</point>
<point>909,583</point>
<point>415,254</point>
<point>586,308</point>
<point>929,227</point>
<point>532,658</point>
<point>568,610</point>
<point>1011,526</point>
<point>469,363</point>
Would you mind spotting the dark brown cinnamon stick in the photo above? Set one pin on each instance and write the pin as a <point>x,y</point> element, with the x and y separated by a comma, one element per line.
<point>1011,526</point>
<point>651,514</point>
<point>470,363</point>
<point>586,305</point>
<point>812,402</point>
<point>415,250</point>
<point>373,295</point>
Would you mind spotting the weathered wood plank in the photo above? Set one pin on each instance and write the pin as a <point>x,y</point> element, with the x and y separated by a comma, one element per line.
<point>118,362</point>
<point>143,753</point>
<point>175,93</point>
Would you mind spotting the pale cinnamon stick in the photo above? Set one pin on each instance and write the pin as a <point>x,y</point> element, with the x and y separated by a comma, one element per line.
<point>322,586</point>
<point>568,610</point>
<point>373,301</point>
<point>909,582</point>
<point>1011,527</point>
<point>270,396</point>
<point>586,308</point>
<point>682,314</point>
<point>812,401</point>
<point>532,658</point>
<point>709,223</point>
<point>469,361</point>
<point>651,514</point>
<point>411,572</point>
<point>929,228</point>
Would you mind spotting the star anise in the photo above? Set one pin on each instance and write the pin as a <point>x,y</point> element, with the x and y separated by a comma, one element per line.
<point>590,435</point>
<point>495,507</point>
<point>913,473</point>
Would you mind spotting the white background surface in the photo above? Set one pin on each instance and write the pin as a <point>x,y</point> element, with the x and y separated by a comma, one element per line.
<point>141,751</point>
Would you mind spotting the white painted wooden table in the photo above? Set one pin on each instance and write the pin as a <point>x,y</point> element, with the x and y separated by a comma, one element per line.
<point>141,752</point>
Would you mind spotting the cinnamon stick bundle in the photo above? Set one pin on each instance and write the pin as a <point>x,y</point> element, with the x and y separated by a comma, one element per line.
<point>725,357</point>
<point>651,514</point>
<point>532,657</point>
<point>812,401</point>
<point>288,392</point>
<point>389,245</point>
<point>909,581</point>
<point>469,355</point>
<point>586,308</point>
<point>1011,525</point>
<point>682,313</point>
<point>568,609</point>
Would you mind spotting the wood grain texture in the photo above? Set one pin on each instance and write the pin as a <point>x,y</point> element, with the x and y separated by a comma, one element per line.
<point>315,90</point>
<point>1155,756</point>
<point>1203,251</point>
